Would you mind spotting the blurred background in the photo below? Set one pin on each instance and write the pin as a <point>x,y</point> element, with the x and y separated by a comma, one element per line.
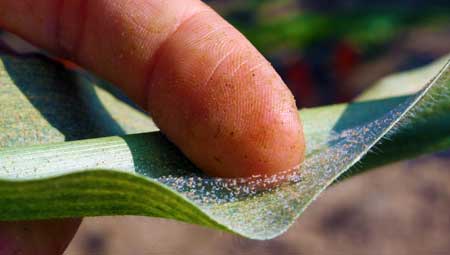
<point>329,51</point>
<point>326,52</point>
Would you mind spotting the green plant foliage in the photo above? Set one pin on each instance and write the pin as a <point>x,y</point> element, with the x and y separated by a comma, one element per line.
<point>365,28</point>
<point>71,147</point>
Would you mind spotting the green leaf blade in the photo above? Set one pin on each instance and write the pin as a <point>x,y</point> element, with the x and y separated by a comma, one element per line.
<point>146,175</point>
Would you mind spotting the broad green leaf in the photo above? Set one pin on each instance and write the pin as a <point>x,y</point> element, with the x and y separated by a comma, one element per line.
<point>49,169</point>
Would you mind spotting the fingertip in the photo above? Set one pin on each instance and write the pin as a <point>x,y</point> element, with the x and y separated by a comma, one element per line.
<point>223,104</point>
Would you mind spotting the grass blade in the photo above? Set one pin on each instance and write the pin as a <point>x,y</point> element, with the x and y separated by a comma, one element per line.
<point>49,169</point>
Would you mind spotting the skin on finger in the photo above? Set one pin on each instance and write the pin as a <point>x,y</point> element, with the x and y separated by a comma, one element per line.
<point>207,88</point>
<point>45,237</point>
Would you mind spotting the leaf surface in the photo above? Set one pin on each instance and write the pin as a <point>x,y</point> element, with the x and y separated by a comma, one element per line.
<point>70,146</point>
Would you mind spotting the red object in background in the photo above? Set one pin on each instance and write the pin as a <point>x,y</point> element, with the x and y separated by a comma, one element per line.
<point>345,58</point>
<point>299,79</point>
